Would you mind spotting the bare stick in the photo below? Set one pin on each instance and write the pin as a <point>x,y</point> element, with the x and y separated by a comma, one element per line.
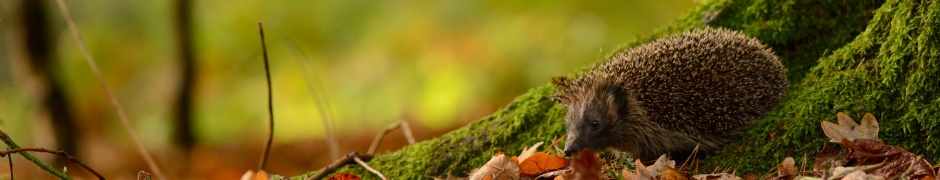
<point>407,131</point>
<point>363,164</point>
<point>11,164</point>
<point>12,145</point>
<point>694,152</point>
<point>107,89</point>
<point>378,137</point>
<point>316,91</point>
<point>348,159</point>
<point>60,153</point>
<point>267,73</point>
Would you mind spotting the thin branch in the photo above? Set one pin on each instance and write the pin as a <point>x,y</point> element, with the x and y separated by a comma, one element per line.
<point>267,73</point>
<point>10,144</point>
<point>378,137</point>
<point>316,91</point>
<point>407,131</point>
<point>11,164</point>
<point>363,164</point>
<point>691,157</point>
<point>348,159</point>
<point>63,154</point>
<point>107,89</point>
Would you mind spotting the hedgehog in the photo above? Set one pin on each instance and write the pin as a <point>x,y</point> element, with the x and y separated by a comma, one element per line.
<point>699,89</point>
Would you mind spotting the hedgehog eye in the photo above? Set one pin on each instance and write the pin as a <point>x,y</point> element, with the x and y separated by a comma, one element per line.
<point>595,124</point>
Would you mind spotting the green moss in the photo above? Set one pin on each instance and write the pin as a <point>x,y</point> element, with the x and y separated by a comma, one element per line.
<point>842,56</point>
<point>530,118</point>
<point>891,69</point>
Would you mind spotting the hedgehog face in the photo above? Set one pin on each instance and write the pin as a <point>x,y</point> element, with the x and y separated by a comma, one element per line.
<point>591,118</point>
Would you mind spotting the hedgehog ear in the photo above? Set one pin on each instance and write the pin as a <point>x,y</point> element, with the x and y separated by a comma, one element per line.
<point>617,97</point>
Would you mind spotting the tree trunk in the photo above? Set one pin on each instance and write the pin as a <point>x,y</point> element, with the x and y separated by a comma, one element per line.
<point>39,46</point>
<point>183,131</point>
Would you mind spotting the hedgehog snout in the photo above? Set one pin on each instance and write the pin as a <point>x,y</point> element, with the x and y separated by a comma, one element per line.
<point>570,151</point>
<point>571,145</point>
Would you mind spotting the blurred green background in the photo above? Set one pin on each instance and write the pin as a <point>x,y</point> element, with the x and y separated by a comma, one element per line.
<point>438,64</point>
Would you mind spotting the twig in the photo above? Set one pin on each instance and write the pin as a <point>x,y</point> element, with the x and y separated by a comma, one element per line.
<point>267,73</point>
<point>11,164</point>
<point>554,144</point>
<point>363,164</point>
<point>12,145</point>
<point>316,91</point>
<point>348,159</point>
<point>107,89</point>
<point>406,129</point>
<point>378,137</point>
<point>803,164</point>
<point>692,156</point>
<point>63,154</point>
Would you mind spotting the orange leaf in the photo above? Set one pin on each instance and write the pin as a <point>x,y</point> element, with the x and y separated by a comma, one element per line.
<point>539,163</point>
<point>344,176</point>
<point>586,165</point>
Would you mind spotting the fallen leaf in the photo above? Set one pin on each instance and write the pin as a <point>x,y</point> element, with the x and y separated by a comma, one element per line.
<point>344,176</point>
<point>662,168</point>
<point>861,175</point>
<point>839,172</point>
<point>586,165</point>
<point>896,160</point>
<point>869,127</point>
<point>718,176</point>
<point>500,167</point>
<point>848,129</point>
<point>672,174</point>
<point>787,169</point>
<point>528,152</point>
<point>539,163</point>
<point>251,175</point>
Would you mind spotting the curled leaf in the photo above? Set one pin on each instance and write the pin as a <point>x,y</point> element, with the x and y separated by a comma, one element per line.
<point>500,167</point>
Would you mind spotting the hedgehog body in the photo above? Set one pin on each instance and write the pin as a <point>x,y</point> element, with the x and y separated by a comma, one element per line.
<point>703,87</point>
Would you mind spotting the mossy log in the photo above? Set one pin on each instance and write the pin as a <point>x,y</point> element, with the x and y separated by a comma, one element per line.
<point>851,56</point>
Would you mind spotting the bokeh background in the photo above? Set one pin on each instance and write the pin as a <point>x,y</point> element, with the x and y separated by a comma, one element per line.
<point>437,64</point>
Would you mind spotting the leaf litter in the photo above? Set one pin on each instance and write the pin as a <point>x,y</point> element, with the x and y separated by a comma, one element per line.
<point>867,157</point>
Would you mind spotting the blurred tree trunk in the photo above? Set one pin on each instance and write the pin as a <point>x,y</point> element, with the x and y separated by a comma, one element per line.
<point>843,56</point>
<point>183,131</point>
<point>40,49</point>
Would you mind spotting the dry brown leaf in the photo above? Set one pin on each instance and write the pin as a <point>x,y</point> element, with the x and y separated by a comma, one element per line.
<point>539,163</point>
<point>586,165</point>
<point>896,161</point>
<point>840,172</point>
<point>672,174</point>
<point>869,127</point>
<point>787,169</point>
<point>662,168</point>
<point>500,167</point>
<point>343,176</point>
<point>848,129</point>
<point>860,175</point>
<point>527,152</point>
<point>718,176</point>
